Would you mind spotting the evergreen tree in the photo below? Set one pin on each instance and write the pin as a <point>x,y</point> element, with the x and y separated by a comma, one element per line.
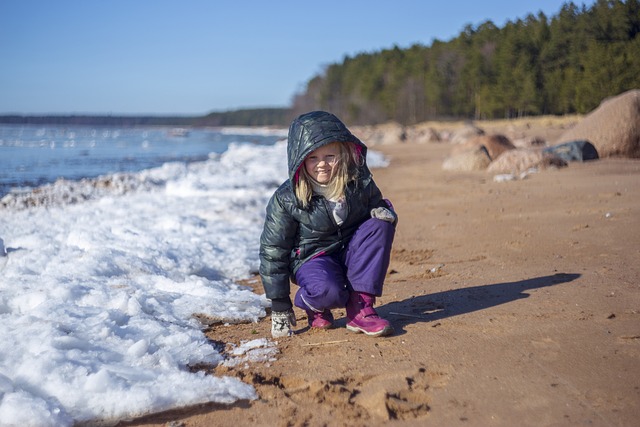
<point>537,65</point>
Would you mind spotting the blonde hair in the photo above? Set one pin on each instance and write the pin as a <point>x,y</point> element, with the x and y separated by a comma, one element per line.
<point>345,170</point>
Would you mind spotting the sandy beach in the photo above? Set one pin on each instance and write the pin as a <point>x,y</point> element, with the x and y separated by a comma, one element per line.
<point>513,303</point>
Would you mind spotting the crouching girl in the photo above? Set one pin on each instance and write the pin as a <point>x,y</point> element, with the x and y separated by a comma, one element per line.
<point>327,229</point>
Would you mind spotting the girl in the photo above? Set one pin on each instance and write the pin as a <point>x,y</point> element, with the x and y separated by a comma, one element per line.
<point>328,230</point>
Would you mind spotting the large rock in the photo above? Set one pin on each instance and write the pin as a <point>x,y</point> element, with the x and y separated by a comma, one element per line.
<point>575,151</point>
<point>521,160</point>
<point>470,160</point>
<point>530,142</point>
<point>383,134</point>
<point>495,145</point>
<point>477,153</point>
<point>422,135</point>
<point>464,134</point>
<point>613,128</point>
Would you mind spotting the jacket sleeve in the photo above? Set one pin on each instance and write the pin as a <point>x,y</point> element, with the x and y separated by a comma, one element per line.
<point>276,245</point>
<point>375,197</point>
<point>376,200</point>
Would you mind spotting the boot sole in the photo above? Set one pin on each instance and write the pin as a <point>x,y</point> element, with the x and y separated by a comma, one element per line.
<point>383,332</point>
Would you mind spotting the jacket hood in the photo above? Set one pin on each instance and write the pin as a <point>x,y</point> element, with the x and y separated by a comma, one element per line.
<point>311,131</point>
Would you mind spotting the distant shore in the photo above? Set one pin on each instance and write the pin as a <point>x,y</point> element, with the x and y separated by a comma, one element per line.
<point>244,117</point>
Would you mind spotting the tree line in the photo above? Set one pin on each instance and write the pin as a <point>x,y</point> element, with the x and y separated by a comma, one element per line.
<point>565,64</point>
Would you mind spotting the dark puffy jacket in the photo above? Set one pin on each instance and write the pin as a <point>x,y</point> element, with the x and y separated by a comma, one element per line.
<point>292,235</point>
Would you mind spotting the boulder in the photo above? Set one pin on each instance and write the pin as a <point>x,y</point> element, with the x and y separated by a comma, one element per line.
<point>387,133</point>
<point>464,134</point>
<point>521,160</point>
<point>421,135</point>
<point>530,142</point>
<point>574,151</point>
<point>613,128</point>
<point>495,145</point>
<point>469,160</point>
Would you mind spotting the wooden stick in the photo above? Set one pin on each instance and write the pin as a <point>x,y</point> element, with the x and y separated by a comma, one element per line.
<point>415,315</point>
<point>324,343</point>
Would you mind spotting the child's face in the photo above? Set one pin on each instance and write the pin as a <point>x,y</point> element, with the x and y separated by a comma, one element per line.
<point>321,162</point>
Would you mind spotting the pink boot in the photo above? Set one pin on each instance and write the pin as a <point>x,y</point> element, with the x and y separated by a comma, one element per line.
<point>323,320</point>
<point>363,318</point>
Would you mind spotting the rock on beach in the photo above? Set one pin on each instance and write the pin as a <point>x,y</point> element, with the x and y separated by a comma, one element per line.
<point>613,128</point>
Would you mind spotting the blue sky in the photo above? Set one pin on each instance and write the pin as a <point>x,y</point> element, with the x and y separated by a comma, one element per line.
<point>196,56</point>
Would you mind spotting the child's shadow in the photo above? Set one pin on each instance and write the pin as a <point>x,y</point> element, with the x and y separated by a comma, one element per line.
<point>441,305</point>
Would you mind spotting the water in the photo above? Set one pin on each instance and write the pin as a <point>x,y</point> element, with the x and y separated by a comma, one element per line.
<point>33,155</point>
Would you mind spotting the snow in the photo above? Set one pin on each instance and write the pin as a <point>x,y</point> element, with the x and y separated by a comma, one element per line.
<point>97,298</point>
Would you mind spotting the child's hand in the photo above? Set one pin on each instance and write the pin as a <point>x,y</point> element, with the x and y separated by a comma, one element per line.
<point>281,322</point>
<point>384,214</point>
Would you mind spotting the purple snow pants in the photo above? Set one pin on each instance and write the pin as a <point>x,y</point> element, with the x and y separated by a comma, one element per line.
<point>326,281</point>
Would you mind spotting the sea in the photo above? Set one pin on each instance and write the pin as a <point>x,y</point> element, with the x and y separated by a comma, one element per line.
<point>118,246</point>
<point>33,155</point>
